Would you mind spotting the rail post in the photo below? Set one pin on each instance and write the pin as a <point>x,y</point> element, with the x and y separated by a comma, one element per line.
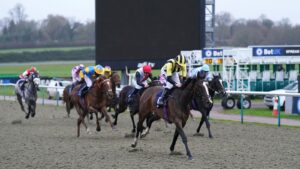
<point>242,111</point>
<point>57,96</point>
<point>278,108</point>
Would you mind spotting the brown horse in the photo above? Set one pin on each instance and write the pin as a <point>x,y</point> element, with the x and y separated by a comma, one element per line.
<point>177,105</point>
<point>115,82</point>
<point>95,100</point>
<point>133,106</point>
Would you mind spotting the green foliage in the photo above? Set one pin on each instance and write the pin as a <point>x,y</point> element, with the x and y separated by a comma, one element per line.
<point>50,69</point>
<point>47,55</point>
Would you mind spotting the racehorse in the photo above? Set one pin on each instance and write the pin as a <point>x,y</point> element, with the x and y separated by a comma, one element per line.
<point>133,106</point>
<point>95,100</point>
<point>29,94</point>
<point>214,85</point>
<point>115,82</point>
<point>175,111</point>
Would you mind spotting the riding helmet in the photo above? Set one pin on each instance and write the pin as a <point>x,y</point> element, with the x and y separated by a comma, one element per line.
<point>147,69</point>
<point>99,69</point>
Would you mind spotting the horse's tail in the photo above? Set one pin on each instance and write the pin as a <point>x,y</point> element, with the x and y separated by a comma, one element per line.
<point>66,97</point>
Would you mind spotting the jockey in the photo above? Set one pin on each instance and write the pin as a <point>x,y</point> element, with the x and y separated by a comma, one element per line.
<point>76,75</point>
<point>170,76</point>
<point>89,74</point>
<point>24,76</point>
<point>141,76</point>
<point>201,72</point>
<point>107,71</point>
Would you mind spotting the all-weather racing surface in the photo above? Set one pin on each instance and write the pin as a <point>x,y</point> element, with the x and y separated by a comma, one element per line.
<point>49,141</point>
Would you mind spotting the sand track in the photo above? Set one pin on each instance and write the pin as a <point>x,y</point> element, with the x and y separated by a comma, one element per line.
<point>49,141</point>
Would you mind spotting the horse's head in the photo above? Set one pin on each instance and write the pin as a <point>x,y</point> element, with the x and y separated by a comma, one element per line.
<point>201,93</point>
<point>115,79</point>
<point>216,84</point>
<point>34,79</point>
<point>105,87</point>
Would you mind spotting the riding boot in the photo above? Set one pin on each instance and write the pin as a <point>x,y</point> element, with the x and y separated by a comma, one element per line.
<point>162,99</point>
<point>130,97</point>
<point>82,89</point>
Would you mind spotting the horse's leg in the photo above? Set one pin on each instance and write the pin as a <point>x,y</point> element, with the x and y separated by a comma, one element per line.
<point>102,116</point>
<point>208,127</point>
<point>139,128</point>
<point>28,111</point>
<point>176,134</point>
<point>150,120</point>
<point>121,109</point>
<point>68,108</point>
<point>107,118</point>
<point>179,128</point>
<point>33,106</point>
<point>133,123</point>
<point>80,120</point>
<point>97,120</point>
<point>19,98</point>
<point>208,123</point>
<point>84,124</point>
<point>201,122</point>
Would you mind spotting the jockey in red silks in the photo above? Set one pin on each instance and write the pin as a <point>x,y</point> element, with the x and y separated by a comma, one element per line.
<point>141,76</point>
<point>24,76</point>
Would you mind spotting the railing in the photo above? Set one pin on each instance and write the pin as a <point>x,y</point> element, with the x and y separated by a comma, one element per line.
<point>261,93</point>
<point>57,97</point>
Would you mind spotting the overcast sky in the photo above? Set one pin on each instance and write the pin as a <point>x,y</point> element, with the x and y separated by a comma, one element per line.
<point>84,10</point>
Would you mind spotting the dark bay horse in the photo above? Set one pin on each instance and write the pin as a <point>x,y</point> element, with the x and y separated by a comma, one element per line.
<point>115,82</point>
<point>215,85</point>
<point>133,106</point>
<point>177,112</point>
<point>95,100</point>
<point>29,94</point>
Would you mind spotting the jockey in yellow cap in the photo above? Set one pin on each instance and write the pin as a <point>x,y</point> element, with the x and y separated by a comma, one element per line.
<point>170,73</point>
<point>89,74</point>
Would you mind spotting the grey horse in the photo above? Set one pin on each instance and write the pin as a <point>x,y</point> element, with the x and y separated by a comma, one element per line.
<point>29,94</point>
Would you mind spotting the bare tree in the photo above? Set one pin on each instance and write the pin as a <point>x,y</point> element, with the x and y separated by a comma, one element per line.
<point>17,14</point>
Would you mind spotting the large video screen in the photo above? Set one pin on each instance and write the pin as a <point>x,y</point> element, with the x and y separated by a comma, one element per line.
<point>132,31</point>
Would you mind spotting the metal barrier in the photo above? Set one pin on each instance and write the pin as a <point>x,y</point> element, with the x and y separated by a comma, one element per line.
<point>261,93</point>
<point>43,92</point>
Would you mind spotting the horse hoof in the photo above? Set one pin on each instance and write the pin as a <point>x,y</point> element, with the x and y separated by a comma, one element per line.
<point>98,129</point>
<point>211,137</point>
<point>133,145</point>
<point>26,117</point>
<point>33,114</point>
<point>190,157</point>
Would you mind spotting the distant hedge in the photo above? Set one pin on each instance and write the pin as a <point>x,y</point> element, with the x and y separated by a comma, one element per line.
<point>84,54</point>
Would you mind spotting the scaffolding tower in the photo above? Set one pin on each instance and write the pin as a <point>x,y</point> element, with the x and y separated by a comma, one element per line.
<point>210,23</point>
